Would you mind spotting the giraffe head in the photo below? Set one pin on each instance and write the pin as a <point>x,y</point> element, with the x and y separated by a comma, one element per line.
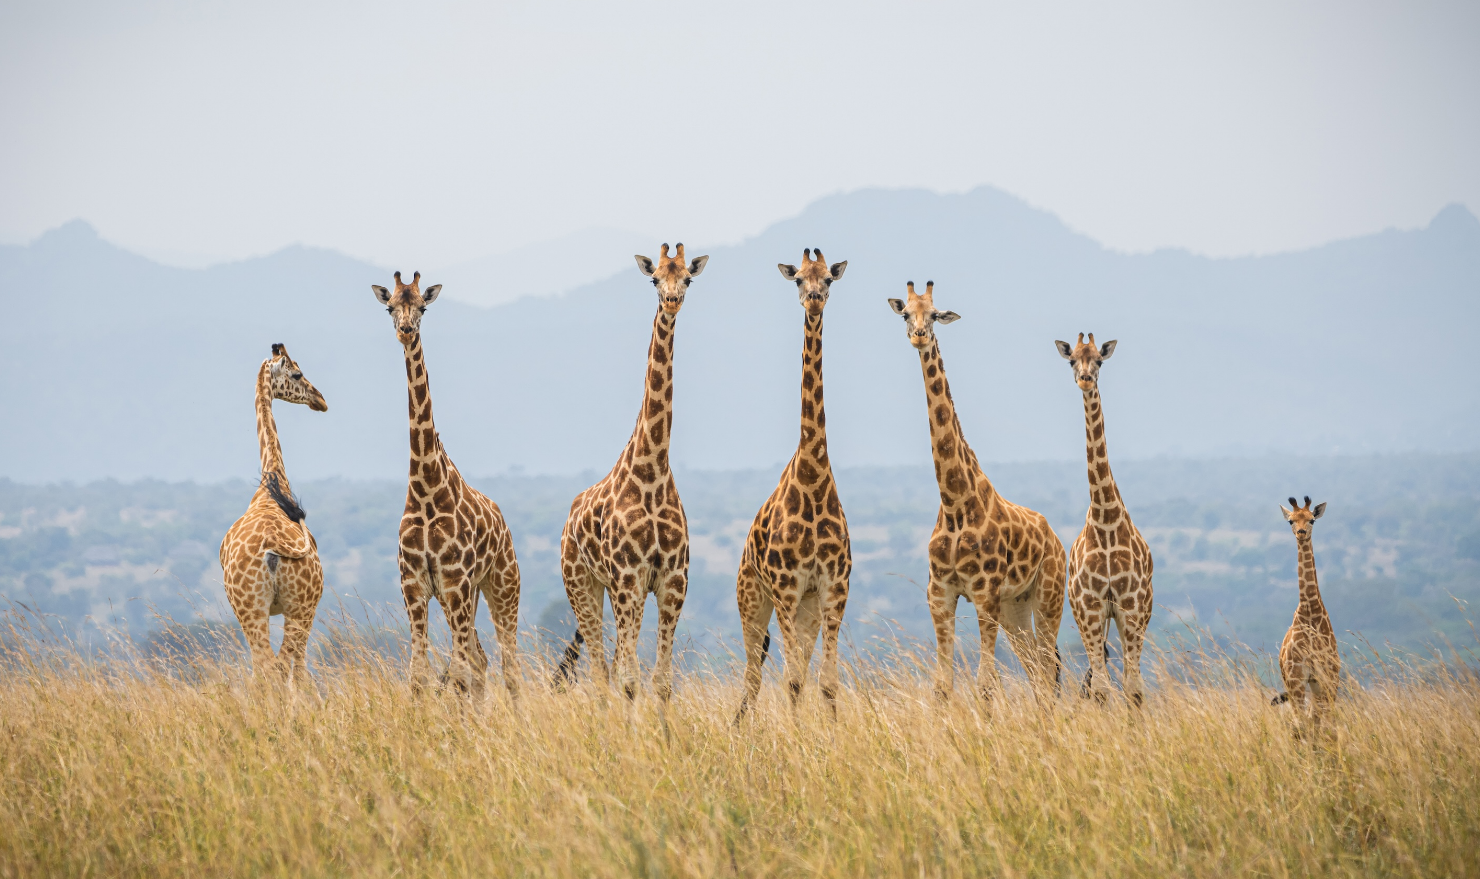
<point>813,279</point>
<point>288,383</point>
<point>406,305</point>
<point>671,276</point>
<point>920,316</point>
<point>1085,359</point>
<point>1302,518</point>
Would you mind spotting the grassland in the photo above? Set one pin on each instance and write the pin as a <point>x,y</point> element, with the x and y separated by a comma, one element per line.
<point>122,765</point>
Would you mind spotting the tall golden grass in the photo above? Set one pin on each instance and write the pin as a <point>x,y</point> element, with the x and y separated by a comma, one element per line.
<point>187,767</point>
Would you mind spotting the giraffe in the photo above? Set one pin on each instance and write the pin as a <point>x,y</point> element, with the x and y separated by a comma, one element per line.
<point>1003,557</point>
<point>797,557</point>
<point>454,544</point>
<point>1110,564</point>
<point>269,560</point>
<point>1308,655</point>
<point>627,535</point>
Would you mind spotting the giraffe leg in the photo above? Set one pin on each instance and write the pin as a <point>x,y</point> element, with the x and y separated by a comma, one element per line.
<point>787,610</point>
<point>833,605</point>
<point>248,589</point>
<point>1048,613</point>
<point>943,616</point>
<point>1092,618</point>
<point>1132,626</point>
<point>417,596</point>
<point>307,577</point>
<point>585,593</point>
<point>627,604</point>
<point>755,619</point>
<point>808,624</point>
<point>501,589</point>
<point>669,597</point>
<point>988,681</point>
<point>1016,618</point>
<point>469,665</point>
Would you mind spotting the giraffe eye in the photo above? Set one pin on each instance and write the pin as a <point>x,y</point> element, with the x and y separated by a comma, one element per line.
<point>655,282</point>
<point>297,376</point>
<point>687,281</point>
<point>390,310</point>
<point>799,282</point>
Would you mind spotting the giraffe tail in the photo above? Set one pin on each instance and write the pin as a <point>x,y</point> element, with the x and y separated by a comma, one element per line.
<point>766,646</point>
<point>567,670</point>
<point>1280,699</point>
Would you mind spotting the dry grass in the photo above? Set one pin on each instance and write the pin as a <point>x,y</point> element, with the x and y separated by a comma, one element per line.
<point>113,770</point>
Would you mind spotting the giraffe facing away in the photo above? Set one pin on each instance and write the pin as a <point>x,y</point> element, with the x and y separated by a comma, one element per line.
<point>797,557</point>
<point>1110,564</point>
<point>1002,557</point>
<point>627,536</point>
<point>454,544</point>
<point>269,560</point>
<point>1310,662</point>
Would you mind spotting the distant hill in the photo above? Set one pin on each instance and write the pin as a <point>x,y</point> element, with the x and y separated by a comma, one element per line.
<point>119,367</point>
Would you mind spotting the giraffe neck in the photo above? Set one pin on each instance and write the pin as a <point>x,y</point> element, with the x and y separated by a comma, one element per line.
<point>1103,492</point>
<point>812,448</point>
<point>956,470</point>
<point>649,444</point>
<point>1312,609</point>
<point>268,447</point>
<point>426,446</point>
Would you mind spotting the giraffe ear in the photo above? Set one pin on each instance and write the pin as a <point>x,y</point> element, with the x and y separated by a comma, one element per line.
<point>837,269</point>
<point>897,305</point>
<point>1107,349</point>
<point>945,317</point>
<point>1066,351</point>
<point>381,294</point>
<point>787,272</point>
<point>696,266</point>
<point>1319,511</point>
<point>430,294</point>
<point>644,264</point>
<point>1284,512</point>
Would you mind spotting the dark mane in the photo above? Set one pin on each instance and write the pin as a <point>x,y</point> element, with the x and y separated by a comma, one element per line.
<point>286,501</point>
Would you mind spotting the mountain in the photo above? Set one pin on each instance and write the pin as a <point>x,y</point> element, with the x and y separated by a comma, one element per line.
<point>120,367</point>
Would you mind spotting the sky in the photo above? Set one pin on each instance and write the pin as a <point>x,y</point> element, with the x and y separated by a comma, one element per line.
<point>434,133</point>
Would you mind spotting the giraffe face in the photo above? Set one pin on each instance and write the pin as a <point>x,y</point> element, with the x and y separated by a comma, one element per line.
<point>671,276</point>
<point>406,305</point>
<point>813,279</point>
<point>288,383</point>
<point>1085,359</point>
<point>920,315</point>
<point>1301,519</point>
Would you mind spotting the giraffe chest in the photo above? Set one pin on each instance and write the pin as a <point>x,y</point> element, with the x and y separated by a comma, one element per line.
<point>1114,558</point>
<point>998,556</point>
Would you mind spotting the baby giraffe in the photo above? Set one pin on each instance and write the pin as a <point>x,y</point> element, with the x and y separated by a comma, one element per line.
<point>1308,655</point>
<point>1109,564</point>
<point>797,557</point>
<point>269,560</point>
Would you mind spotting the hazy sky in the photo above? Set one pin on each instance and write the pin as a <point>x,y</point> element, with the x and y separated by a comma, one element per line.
<point>437,132</point>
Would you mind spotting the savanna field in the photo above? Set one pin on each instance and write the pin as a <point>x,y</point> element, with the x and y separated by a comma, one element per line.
<point>175,763</point>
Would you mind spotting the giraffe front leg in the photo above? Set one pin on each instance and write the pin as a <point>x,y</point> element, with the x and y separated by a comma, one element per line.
<point>943,617</point>
<point>501,591</point>
<point>417,597</point>
<point>627,604</point>
<point>788,608</point>
<point>834,603</point>
<point>755,619</point>
<point>1093,621</point>
<point>988,680</point>
<point>1132,642</point>
<point>670,598</point>
<point>808,624</point>
<point>468,668</point>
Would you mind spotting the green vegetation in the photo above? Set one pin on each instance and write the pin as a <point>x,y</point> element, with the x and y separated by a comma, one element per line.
<point>1400,542</point>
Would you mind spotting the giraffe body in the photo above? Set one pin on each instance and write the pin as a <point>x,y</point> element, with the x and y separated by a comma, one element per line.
<point>454,543</point>
<point>626,536</point>
<point>797,557</point>
<point>1110,565</point>
<point>1002,557</point>
<point>269,559</point>
<point>1310,661</point>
